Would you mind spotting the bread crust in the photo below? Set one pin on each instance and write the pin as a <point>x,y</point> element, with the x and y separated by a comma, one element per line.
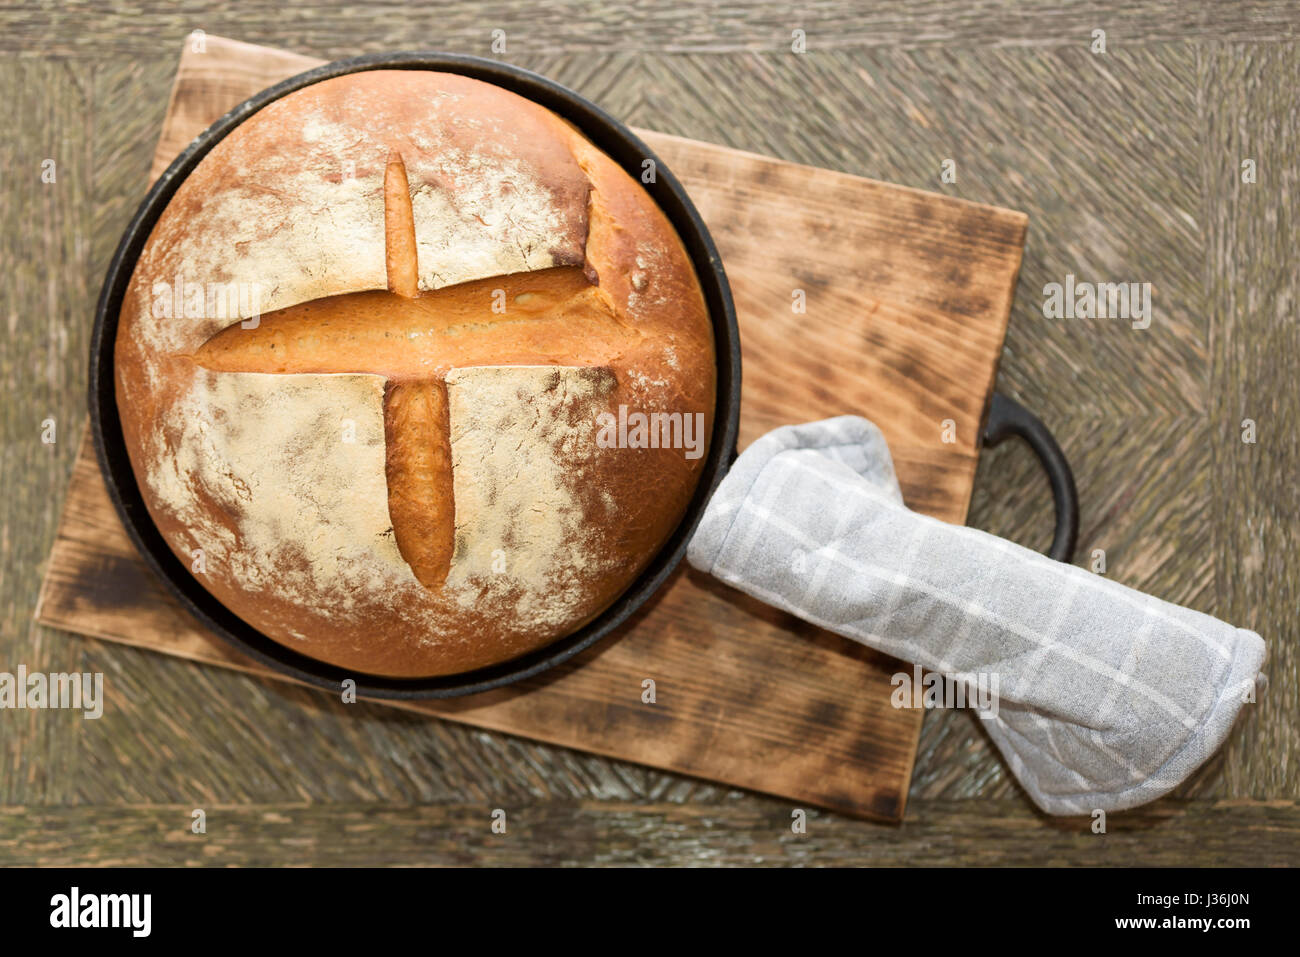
<point>274,486</point>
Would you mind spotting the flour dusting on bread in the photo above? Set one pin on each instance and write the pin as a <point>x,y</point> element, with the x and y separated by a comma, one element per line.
<point>518,436</point>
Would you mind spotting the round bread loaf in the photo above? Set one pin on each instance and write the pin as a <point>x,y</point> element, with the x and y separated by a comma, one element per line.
<point>412,377</point>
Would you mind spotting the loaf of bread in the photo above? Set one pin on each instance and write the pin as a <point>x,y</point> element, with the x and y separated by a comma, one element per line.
<point>413,377</point>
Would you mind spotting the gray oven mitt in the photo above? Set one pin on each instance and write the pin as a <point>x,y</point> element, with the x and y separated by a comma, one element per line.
<point>1099,696</point>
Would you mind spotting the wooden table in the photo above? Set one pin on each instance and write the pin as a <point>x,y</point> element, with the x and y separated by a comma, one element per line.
<point>1129,164</point>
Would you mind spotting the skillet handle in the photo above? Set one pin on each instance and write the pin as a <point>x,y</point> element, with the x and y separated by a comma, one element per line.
<point>1008,417</point>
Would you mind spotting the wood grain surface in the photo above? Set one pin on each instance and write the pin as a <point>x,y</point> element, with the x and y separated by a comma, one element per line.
<point>906,310</point>
<point>990,833</point>
<point>1129,167</point>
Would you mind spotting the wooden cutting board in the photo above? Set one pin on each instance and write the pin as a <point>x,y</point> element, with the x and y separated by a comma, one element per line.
<point>908,295</point>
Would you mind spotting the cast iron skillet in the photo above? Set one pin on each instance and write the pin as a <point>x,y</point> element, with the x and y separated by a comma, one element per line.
<point>1005,417</point>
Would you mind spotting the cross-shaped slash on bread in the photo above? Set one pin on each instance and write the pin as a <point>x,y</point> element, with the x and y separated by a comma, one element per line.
<point>555,316</point>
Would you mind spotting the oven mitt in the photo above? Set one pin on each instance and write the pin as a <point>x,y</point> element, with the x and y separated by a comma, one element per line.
<point>1106,697</point>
